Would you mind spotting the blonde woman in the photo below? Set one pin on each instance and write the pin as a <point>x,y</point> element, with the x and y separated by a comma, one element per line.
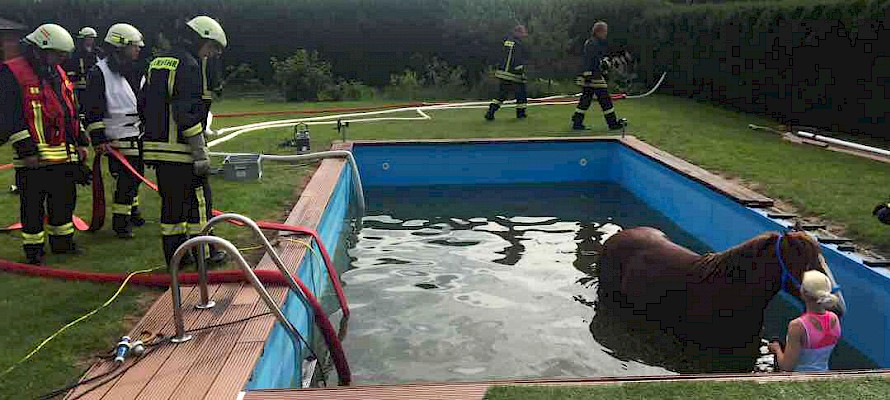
<point>813,335</point>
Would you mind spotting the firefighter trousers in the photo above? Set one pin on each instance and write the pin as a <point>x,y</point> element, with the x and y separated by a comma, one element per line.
<point>186,204</point>
<point>601,94</point>
<point>126,190</point>
<point>519,90</point>
<point>47,194</point>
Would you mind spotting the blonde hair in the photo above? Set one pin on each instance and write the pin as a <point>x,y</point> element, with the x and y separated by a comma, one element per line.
<point>599,25</point>
<point>817,287</point>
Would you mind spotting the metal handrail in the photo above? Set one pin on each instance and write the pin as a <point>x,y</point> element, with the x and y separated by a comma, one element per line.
<point>202,271</point>
<point>331,336</point>
<point>181,334</point>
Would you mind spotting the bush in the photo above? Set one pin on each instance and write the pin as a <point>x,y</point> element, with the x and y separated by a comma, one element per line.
<point>438,81</point>
<point>405,86</point>
<point>302,76</point>
<point>347,90</point>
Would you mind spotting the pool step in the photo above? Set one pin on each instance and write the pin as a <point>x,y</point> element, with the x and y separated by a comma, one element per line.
<point>834,240</point>
<point>781,215</point>
<point>876,262</point>
<point>848,247</point>
<point>810,226</point>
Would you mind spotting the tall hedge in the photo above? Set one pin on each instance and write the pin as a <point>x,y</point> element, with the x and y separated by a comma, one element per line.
<point>364,39</point>
<point>819,63</point>
<point>814,62</point>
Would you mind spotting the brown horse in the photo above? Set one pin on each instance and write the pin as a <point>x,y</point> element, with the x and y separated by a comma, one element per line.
<point>712,303</point>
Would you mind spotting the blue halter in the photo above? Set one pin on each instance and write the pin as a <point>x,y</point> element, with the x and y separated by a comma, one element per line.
<point>786,273</point>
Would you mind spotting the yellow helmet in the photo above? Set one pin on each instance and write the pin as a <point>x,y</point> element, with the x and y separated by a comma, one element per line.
<point>51,37</point>
<point>209,29</point>
<point>122,35</point>
<point>87,32</point>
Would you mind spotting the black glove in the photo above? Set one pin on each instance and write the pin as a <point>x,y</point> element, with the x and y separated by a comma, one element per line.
<point>882,211</point>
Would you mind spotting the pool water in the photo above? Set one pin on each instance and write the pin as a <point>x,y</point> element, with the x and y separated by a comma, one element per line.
<point>458,283</point>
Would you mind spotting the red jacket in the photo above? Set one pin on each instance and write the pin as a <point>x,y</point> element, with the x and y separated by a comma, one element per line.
<point>51,121</point>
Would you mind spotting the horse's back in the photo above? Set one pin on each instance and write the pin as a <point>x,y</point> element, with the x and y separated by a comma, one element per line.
<point>643,264</point>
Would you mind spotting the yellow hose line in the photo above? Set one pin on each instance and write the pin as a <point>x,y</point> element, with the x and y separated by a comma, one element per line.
<point>78,320</point>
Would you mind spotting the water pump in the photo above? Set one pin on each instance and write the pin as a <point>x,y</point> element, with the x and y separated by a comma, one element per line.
<point>301,140</point>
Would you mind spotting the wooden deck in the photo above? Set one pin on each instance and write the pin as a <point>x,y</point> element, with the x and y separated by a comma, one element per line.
<point>217,364</point>
<point>477,390</point>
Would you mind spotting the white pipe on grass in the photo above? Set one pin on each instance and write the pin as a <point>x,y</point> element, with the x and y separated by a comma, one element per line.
<point>844,143</point>
<point>293,158</point>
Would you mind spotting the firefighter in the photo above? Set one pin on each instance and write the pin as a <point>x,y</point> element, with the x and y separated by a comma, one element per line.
<point>174,104</point>
<point>511,74</point>
<point>112,120</point>
<point>593,82</point>
<point>40,121</point>
<point>83,60</point>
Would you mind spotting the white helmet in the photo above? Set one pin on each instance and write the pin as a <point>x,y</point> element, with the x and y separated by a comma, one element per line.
<point>87,32</point>
<point>51,37</point>
<point>122,35</point>
<point>208,28</point>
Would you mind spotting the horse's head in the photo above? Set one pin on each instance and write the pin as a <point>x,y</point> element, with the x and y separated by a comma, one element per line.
<point>797,252</point>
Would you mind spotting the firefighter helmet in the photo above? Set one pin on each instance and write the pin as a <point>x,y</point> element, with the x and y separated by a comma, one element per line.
<point>208,28</point>
<point>51,37</point>
<point>122,35</point>
<point>87,32</point>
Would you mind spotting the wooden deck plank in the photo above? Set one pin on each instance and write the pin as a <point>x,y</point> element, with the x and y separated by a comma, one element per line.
<point>476,390</point>
<point>239,367</point>
<point>162,375</point>
<point>159,319</point>
<point>178,366</point>
<point>209,364</point>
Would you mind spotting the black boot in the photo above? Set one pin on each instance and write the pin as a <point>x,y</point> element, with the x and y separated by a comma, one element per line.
<point>520,113</point>
<point>619,124</point>
<point>64,245</point>
<point>578,122</point>
<point>492,108</point>
<point>136,217</point>
<point>122,226</point>
<point>34,254</point>
<point>217,256</point>
<point>170,244</point>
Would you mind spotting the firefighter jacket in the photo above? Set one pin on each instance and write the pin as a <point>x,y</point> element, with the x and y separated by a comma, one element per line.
<point>594,52</point>
<point>173,105</point>
<point>109,105</point>
<point>515,56</point>
<point>79,65</point>
<point>39,116</point>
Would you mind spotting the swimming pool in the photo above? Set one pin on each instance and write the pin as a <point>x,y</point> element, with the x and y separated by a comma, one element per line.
<point>711,218</point>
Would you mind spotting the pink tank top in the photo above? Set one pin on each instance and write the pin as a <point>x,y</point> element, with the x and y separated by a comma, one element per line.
<point>823,335</point>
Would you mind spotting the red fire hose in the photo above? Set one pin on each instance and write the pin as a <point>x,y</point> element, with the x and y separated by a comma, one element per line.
<point>266,276</point>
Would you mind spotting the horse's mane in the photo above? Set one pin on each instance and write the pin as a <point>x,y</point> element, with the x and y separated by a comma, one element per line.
<point>720,264</point>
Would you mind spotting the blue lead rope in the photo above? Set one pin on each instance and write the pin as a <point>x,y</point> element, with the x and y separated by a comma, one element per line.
<point>786,273</point>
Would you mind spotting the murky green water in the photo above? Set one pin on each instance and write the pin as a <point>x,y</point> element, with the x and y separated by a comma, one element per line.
<point>490,282</point>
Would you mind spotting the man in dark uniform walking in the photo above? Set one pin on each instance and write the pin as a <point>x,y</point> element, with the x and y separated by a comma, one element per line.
<point>593,82</point>
<point>174,105</point>
<point>511,74</point>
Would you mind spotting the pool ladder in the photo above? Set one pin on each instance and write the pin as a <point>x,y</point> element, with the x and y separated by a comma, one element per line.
<point>332,338</point>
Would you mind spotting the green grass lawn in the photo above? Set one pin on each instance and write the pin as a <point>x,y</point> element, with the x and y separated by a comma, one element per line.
<point>837,187</point>
<point>840,389</point>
